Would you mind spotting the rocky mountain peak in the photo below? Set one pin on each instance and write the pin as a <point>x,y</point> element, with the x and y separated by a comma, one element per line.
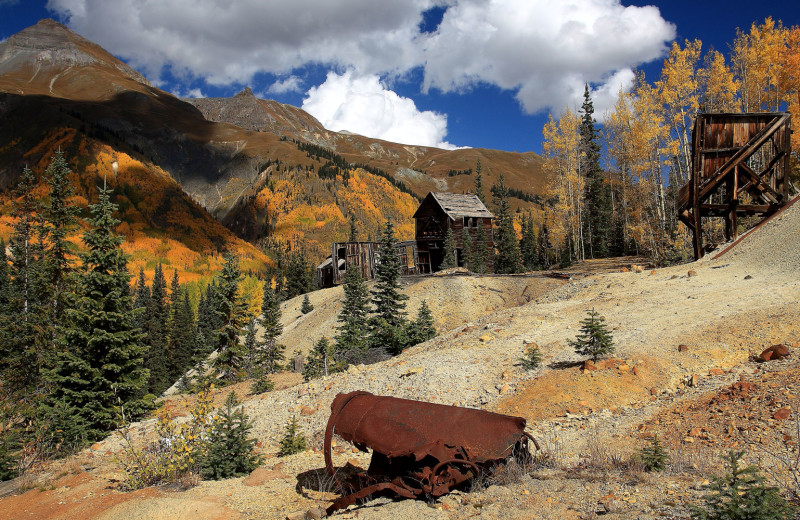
<point>50,47</point>
<point>245,93</point>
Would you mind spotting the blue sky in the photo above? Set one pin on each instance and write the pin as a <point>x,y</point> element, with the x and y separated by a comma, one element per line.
<point>436,72</point>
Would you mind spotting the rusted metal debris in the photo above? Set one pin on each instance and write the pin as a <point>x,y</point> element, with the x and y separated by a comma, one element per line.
<point>419,449</point>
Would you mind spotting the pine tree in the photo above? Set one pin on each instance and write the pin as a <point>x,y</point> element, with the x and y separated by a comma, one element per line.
<point>320,362</point>
<point>532,357</point>
<point>543,246</point>
<point>231,450</point>
<point>306,307</point>
<point>741,495</point>
<point>479,182</point>
<point>232,312</point>
<point>250,345</point>
<point>508,256</point>
<point>597,200</point>
<point>293,440</point>
<point>298,275</point>
<point>482,253</point>
<point>422,328</point>
<point>594,340</point>
<point>141,299</point>
<point>182,337</point>
<point>387,325</point>
<point>528,244</point>
<point>467,250</point>
<point>155,330</point>
<point>653,456</point>
<point>270,355</point>
<point>353,234</point>
<point>100,369</point>
<point>449,247</point>
<point>351,338</point>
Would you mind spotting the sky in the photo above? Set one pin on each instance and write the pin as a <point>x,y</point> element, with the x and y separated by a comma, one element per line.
<point>448,73</point>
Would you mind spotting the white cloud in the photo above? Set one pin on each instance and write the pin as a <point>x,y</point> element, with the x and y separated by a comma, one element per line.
<point>230,41</point>
<point>545,50</point>
<point>290,84</point>
<point>362,105</point>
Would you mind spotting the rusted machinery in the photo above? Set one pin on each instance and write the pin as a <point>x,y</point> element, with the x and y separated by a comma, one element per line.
<point>419,449</point>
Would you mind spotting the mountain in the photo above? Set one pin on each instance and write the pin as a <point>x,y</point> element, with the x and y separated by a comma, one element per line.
<point>268,171</point>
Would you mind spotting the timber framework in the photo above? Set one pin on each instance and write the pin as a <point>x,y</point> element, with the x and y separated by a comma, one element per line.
<point>740,167</point>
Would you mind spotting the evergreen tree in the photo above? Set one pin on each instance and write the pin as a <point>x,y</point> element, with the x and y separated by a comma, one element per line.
<point>58,219</point>
<point>141,299</point>
<point>421,329</point>
<point>21,344</point>
<point>532,357</point>
<point>543,246</point>
<point>182,337</point>
<point>320,362</point>
<point>250,345</point>
<point>467,250</point>
<point>353,234</point>
<point>351,338</point>
<point>742,495</point>
<point>155,334</point>
<point>387,325</point>
<point>306,307</point>
<point>298,275</point>
<point>293,440</point>
<point>100,368</point>
<point>594,340</point>
<point>209,320</point>
<point>654,456</point>
<point>479,182</point>
<point>449,247</point>
<point>508,258</point>
<point>528,244</point>
<point>270,355</point>
<point>597,205</point>
<point>231,450</point>
<point>5,279</point>
<point>482,253</point>
<point>232,312</point>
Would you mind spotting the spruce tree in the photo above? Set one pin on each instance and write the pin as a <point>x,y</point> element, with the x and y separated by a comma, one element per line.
<point>351,337</point>
<point>479,182</point>
<point>141,299</point>
<point>182,336</point>
<point>100,369</point>
<point>270,353</point>
<point>467,250</point>
<point>320,362</point>
<point>528,244</point>
<point>353,233</point>
<point>449,247</point>
<point>306,307</point>
<point>155,330</point>
<point>508,258</point>
<point>422,328</point>
<point>388,323</point>
<point>482,252</point>
<point>230,449</point>
<point>597,199</point>
<point>232,312</point>
<point>595,340</point>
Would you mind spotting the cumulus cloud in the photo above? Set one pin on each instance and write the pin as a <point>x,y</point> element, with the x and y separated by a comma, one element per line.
<point>362,105</point>
<point>544,50</point>
<point>229,42</point>
<point>290,84</point>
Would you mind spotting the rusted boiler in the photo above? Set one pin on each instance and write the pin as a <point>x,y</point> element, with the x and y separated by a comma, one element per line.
<point>420,449</point>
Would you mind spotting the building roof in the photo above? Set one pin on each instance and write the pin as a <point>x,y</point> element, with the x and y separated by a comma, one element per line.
<point>457,205</point>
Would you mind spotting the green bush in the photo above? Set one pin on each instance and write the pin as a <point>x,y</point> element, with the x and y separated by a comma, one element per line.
<point>230,451</point>
<point>293,440</point>
<point>261,385</point>
<point>741,495</point>
<point>654,456</point>
<point>594,340</point>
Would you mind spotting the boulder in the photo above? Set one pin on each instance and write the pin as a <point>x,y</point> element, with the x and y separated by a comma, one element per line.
<point>774,353</point>
<point>781,414</point>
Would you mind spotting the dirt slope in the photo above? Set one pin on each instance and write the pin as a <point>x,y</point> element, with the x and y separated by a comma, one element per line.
<point>723,311</point>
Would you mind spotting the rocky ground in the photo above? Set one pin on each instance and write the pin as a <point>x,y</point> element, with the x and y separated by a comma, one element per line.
<point>683,369</point>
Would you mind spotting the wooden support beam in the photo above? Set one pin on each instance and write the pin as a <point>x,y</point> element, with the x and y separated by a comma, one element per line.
<point>759,185</point>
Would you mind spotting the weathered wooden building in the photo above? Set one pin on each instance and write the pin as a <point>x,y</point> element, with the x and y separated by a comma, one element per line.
<point>740,164</point>
<point>439,212</point>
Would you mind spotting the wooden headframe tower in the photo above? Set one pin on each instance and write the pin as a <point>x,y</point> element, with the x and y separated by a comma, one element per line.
<point>740,164</point>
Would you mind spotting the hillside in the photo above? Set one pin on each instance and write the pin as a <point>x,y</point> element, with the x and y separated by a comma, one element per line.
<point>683,369</point>
<point>245,160</point>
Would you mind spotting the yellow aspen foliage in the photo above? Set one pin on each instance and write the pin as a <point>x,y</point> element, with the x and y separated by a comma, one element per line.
<point>756,59</point>
<point>718,85</point>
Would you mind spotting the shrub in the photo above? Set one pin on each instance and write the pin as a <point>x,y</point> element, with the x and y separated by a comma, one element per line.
<point>531,358</point>
<point>261,385</point>
<point>293,440</point>
<point>230,451</point>
<point>594,340</point>
<point>741,495</point>
<point>653,457</point>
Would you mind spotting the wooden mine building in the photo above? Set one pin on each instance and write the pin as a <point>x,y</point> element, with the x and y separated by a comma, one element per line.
<point>437,213</point>
<point>740,164</point>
